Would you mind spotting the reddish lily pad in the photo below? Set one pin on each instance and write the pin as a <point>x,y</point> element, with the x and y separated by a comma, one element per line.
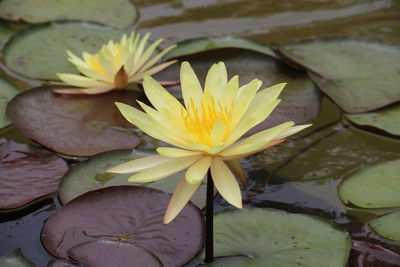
<point>104,252</point>
<point>27,173</point>
<point>126,213</point>
<point>60,263</point>
<point>364,254</point>
<point>79,125</point>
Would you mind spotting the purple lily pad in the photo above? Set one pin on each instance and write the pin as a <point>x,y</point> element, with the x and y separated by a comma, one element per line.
<point>27,173</point>
<point>79,125</point>
<point>129,214</point>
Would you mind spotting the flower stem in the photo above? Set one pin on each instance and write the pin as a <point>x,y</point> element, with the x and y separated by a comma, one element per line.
<point>209,246</point>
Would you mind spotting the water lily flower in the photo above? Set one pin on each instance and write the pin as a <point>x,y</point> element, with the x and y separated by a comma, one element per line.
<point>204,132</point>
<point>114,66</point>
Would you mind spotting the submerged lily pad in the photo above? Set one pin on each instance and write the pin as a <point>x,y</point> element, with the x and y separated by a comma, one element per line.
<point>15,259</point>
<point>360,75</point>
<point>40,52</point>
<point>5,34</point>
<point>376,186</point>
<point>197,45</point>
<point>7,92</point>
<point>27,173</point>
<point>266,236</point>
<point>91,175</point>
<point>386,120</point>
<point>116,13</point>
<point>79,125</point>
<point>387,226</point>
<point>130,214</point>
<point>300,99</point>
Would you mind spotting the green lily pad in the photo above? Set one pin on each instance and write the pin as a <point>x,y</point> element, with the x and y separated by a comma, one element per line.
<point>5,34</point>
<point>79,125</point>
<point>15,259</point>
<point>300,99</point>
<point>375,186</point>
<point>7,92</point>
<point>116,13</point>
<point>40,52</point>
<point>92,175</point>
<point>387,226</point>
<point>360,75</point>
<point>197,45</point>
<point>131,214</point>
<point>386,120</point>
<point>260,237</point>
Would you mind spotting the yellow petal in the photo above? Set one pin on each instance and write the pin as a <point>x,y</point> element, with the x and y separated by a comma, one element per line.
<point>191,88</point>
<point>198,170</point>
<point>172,152</point>
<point>292,130</point>
<point>230,92</point>
<point>155,59</point>
<point>139,76</point>
<point>181,196</point>
<point>164,169</point>
<point>146,55</point>
<point>87,91</point>
<point>225,182</point>
<point>79,80</point>
<point>140,48</point>
<point>217,132</point>
<point>137,165</point>
<point>236,167</point>
<point>216,80</point>
<point>250,152</point>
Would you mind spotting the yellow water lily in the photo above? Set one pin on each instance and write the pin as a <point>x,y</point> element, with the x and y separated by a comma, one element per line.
<point>204,132</point>
<point>114,66</point>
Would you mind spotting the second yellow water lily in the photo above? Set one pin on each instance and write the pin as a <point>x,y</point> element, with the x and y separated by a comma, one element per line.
<point>114,66</point>
<point>204,132</point>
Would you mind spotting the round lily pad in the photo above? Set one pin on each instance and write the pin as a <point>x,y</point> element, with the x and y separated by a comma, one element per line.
<point>79,125</point>
<point>130,214</point>
<point>371,255</point>
<point>5,34</point>
<point>60,263</point>
<point>197,45</point>
<point>360,75</point>
<point>256,237</point>
<point>116,13</point>
<point>376,186</point>
<point>112,253</point>
<point>7,92</point>
<point>27,173</point>
<point>15,259</point>
<point>387,226</point>
<point>91,175</point>
<point>300,99</point>
<point>386,120</point>
<point>40,52</point>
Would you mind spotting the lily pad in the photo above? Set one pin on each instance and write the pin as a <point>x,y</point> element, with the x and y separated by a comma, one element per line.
<point>376,186</point>
<point>197,45</point>
<point>92,175</point>
<point>266,236</point>
<point>364,254</point>
<point>40,52</point>
<point>7,92</point>
<point>387,226</point>
<point>360,75</point>
<point>27,173</point>
<point>300,99</point>
<point>130,214</point>
<point>60,263</point>
<point>386,120</point>
<point>112,253</point>
<point>116,13</point>
<point>5,34</point>
<point>78,125</point>
<point>15,259</point>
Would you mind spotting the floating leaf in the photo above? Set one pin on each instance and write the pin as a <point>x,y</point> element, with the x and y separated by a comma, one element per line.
<point>360,75</point>
<point>386,120</point>
<point>364,254</point>
<point>388,225</point>
<point>375,186</point>
<point>300,99</point>
<point>197,45</point>
<point>7,92</point>
<point>112,253</point>
<point>79,125</point>
<point>5,34</point>
<point>40,52</point>
<point>27,173</point>
<point>254,237</point>
<point>92,175</point>
<point>126,213</point>
<point>15,259</point>
<point>60,263</point>
<point>116,13</point>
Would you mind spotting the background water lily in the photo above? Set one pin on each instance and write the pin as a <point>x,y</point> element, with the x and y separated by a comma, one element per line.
<point>205,132</point>
<point>114,66</point>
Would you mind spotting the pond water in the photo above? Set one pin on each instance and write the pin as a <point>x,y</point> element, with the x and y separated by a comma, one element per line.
<point>300,176</point>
